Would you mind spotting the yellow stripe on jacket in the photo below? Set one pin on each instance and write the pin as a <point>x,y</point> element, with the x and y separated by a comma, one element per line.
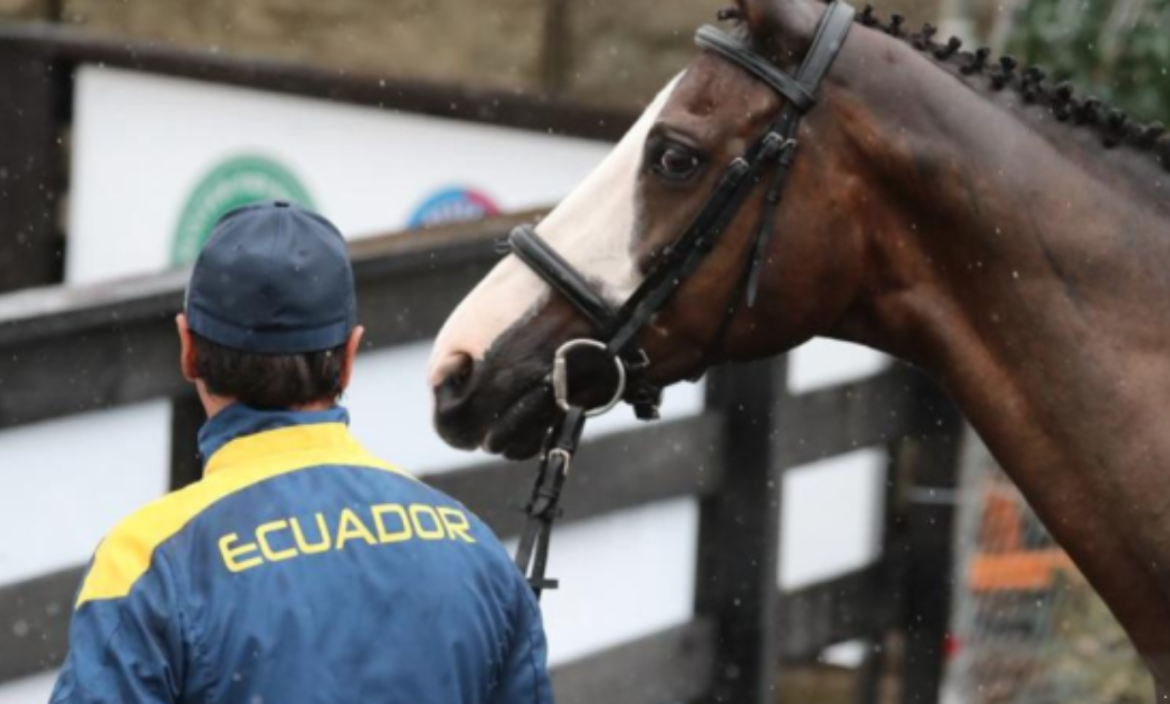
<point>125,555</point>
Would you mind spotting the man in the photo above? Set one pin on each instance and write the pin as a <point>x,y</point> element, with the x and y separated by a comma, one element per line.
<point>300,568</point>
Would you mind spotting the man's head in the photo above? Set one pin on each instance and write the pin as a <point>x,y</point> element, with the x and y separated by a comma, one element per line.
<point>270,316</point>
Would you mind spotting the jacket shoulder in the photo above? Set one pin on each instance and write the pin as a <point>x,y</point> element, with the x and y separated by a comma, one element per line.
<point>125,554</point>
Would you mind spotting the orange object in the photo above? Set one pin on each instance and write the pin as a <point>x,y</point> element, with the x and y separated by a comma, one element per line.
<point>1019,571</point>
<point>1002,529</point>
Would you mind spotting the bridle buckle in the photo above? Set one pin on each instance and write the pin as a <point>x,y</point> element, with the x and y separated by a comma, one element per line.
<point>564,455</point>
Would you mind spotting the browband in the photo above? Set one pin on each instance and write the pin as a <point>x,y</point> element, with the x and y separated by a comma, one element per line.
<point>801,90</point>
<point>737,52</point>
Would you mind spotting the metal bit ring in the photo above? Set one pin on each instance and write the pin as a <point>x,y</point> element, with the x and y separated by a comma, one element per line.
<point>560,377</point>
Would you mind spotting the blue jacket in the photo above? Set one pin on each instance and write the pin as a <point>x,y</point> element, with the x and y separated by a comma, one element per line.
<point>301,569</point>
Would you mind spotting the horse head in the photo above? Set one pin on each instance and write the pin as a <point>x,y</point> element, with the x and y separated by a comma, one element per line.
<point>1002,233</point>
<point>492,359</point>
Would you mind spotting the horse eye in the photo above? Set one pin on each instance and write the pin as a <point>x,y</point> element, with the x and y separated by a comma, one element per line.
<point>675,163</point>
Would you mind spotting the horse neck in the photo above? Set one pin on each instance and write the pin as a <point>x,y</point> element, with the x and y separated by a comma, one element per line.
<point>1025,269</point>
<point>1030,284</point>
<point>990,237</point>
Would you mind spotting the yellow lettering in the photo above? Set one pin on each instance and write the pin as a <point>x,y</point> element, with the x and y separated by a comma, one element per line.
<point>403,533</point>
<point>350,527</point>
<point>393,523</point>
<point>457,524</point>
<point>262,538</point>
<point>418,510</point>
<point>230,554</point>
<point>305,547</point>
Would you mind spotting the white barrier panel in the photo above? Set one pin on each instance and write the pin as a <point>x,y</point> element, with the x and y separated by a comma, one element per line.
<point>622,577</point>
<point>28,690</point>
<point>832,517</point>
<point>823,363</point>
<point>156,159</point>
<point>64,483</point>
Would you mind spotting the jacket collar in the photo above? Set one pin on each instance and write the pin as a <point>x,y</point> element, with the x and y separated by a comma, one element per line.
<point>239,421</point>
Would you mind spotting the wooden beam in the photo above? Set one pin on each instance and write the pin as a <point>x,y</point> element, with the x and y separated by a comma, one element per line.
<point>846,608</point>
<point>877,660</point>
<point>31,168</point>
<point>67,48</point>
<point>671,666</point>
<point>556,48</point>
<point>930,456</point>
<point>65,350</point>
<point>611,473</point>
<point>187,416</point>
<point>828,422</point>
<point>739,533</point>
<point>35,616</point>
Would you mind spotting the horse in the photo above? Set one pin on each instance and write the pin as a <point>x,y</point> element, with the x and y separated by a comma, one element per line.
<point>1006,235</point>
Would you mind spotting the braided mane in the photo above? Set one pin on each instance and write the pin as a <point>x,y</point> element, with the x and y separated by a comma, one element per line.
<point>1111,123</point>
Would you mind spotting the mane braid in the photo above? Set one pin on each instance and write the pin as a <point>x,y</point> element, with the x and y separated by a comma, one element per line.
<point>1111,123</point>
<point>728,13</point>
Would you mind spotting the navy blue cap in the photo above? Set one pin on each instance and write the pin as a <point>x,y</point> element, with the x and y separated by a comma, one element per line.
<point>273,278</point>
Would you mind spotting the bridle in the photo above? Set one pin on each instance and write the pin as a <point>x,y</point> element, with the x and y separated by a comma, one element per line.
<point>617,329</point>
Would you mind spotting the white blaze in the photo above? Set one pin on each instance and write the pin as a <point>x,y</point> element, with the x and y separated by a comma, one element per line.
<point>591,228</point>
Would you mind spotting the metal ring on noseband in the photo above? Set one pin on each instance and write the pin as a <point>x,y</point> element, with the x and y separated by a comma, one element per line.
<point>560,377</point>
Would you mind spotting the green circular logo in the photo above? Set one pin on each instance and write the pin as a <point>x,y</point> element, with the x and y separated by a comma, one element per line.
<point>233,183</point>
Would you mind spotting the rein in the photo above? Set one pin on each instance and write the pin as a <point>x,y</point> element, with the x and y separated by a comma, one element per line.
<point>619,327</point>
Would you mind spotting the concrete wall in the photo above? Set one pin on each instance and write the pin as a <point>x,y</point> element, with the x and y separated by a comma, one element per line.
<point>25,9</point>
<point>609,51</point>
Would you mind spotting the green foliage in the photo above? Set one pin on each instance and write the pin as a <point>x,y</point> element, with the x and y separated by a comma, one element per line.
<point>1090,659</point>
<point>1118,50</point>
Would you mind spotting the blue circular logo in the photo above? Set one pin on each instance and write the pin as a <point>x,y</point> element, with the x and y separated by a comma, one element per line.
<point>453,205</point>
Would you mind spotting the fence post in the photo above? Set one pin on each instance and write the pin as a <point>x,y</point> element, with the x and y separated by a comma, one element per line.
<point>877,660</point>
<point>930,460</point>
<point>187,416</point>
<point>739,532</point>
<point>32,102</point>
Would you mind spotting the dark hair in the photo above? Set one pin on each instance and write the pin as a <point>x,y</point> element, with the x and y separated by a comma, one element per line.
<point>269,381</point>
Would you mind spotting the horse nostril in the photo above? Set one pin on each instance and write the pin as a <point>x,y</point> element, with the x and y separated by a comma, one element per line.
<point>454,372</point>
